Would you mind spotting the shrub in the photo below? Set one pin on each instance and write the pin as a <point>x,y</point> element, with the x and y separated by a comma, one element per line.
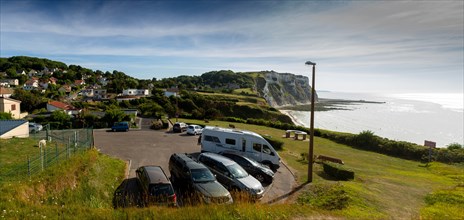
<point>156,125</point>
<point>337,171</point>
<point>277,144</point>
<point>325,196</point>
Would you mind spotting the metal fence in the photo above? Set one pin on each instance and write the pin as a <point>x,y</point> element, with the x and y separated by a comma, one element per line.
<point>60,146</point>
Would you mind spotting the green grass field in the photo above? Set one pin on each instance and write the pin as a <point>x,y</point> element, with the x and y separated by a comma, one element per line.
<point>384,187</point>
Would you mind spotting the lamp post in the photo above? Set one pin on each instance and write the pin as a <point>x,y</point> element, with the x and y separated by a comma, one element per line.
<point>311,126</point>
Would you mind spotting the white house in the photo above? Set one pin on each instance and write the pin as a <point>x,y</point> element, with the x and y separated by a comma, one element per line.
<point>31,84</point>
<point>10,106</point>
<point>171,92</point>
<point>69,109</point>
<point>136,92</point>
<point>9,82</point>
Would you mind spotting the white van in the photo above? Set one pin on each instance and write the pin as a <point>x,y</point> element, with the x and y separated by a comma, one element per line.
<point>247,143</point>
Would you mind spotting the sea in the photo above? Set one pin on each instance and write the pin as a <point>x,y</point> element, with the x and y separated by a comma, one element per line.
<point>412,117</point>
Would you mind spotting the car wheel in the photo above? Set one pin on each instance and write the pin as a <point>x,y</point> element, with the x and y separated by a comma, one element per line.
<point>260,177</point>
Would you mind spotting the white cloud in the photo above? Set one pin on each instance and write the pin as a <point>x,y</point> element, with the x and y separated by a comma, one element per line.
<point>376,38</point>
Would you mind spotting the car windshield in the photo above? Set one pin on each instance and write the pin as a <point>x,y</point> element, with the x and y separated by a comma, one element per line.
<point>161,189</point>
<point>254,162</point>
<point>237,171</point>
<point>190,127</point>
<point>202,175</point>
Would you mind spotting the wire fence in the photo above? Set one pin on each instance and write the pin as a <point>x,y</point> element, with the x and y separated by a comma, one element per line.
<point>60,145</point>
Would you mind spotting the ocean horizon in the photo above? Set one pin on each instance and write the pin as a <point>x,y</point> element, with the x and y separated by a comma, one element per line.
<point>412,117</point>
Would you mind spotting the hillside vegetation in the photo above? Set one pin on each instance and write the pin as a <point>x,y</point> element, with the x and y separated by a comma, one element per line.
<point>384,187</point>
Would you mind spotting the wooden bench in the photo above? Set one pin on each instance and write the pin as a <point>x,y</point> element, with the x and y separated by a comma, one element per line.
<point>327,158</point>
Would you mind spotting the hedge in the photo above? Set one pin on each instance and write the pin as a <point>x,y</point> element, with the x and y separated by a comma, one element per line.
<point>337,171</point>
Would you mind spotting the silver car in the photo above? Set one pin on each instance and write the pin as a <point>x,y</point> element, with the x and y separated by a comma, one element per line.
<point>34,127</point>
<point>194,129</point>
<point>232,175</point>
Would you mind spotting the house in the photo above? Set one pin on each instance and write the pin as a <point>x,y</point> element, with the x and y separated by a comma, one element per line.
<point>32,73</point>
<point>44,83</point>
<point>65,88</point>
<point>103,81</point>
<point>12,106</point>
<point>136,92</point>
<point>14,128</point>
<point>20,72</point>
<point>171,92</point>
<point>69,109</point>
<point>31,84</point>
<point>79,82</point>
<point>5,92</point>
<point>9,82</point>
<point>88,92</point>
<point>100,94</point>
<point>52,80</point>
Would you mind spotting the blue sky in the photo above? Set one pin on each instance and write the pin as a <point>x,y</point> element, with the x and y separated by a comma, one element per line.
<point>359,46</point>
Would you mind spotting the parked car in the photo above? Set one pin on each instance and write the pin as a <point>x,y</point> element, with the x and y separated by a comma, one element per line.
<point>194,129</point>
<point>156,187</point>
<point>34,127</point>
<point>196,178</point>
<point>120,126</point>
<point>232,175</point>
<point>261,172</point>
<point>179,127</point>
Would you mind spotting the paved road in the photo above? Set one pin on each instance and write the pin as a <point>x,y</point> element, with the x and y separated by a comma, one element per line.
<point>149,147</point>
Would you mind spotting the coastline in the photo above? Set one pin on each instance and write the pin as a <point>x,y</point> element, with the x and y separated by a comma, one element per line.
<point>294,119</point>
<point>393,118</point>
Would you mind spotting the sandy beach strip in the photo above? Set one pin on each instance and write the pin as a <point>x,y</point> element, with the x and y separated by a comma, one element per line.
<point>294,119</point>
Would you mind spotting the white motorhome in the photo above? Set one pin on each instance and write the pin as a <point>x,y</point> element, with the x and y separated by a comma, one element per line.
<point>247,143</point>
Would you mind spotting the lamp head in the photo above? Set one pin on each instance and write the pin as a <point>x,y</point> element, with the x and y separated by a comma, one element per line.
<point>310,63</point>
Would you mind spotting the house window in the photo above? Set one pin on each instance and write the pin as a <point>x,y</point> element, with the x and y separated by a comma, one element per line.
<point>13,107</point>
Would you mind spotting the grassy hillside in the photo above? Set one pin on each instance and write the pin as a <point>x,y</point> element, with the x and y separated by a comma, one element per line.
<point>384,187</point>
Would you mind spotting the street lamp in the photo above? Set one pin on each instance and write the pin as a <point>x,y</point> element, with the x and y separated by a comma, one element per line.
<point>311,125</point>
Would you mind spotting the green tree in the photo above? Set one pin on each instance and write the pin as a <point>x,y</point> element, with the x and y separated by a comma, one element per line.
<point>454,146</point>
<point>5,116</point>
<point>115,115</point>
<point>62,119</point>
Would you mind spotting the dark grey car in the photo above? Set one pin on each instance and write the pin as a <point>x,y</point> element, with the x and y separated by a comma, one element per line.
<point>197,180</point>
<point>261,172</point>
<point>232,175</point>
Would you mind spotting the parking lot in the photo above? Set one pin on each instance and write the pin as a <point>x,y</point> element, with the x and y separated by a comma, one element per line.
<point>149,147</point>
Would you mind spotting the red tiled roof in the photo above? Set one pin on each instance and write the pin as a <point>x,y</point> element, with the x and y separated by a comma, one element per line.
<point>61,105</point>
<point>4,90</point>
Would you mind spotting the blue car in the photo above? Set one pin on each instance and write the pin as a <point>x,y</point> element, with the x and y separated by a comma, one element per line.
<point>120,126</point>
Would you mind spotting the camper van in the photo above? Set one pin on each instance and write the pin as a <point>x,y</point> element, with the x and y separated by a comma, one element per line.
<point>246,143</point>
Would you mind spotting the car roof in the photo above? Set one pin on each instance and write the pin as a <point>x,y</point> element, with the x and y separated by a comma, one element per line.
<point>190,163</point>
<point>224,160</point>
<point>156,174</point>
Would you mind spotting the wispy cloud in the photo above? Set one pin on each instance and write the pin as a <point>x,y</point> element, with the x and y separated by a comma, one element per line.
<point>378,38</point>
